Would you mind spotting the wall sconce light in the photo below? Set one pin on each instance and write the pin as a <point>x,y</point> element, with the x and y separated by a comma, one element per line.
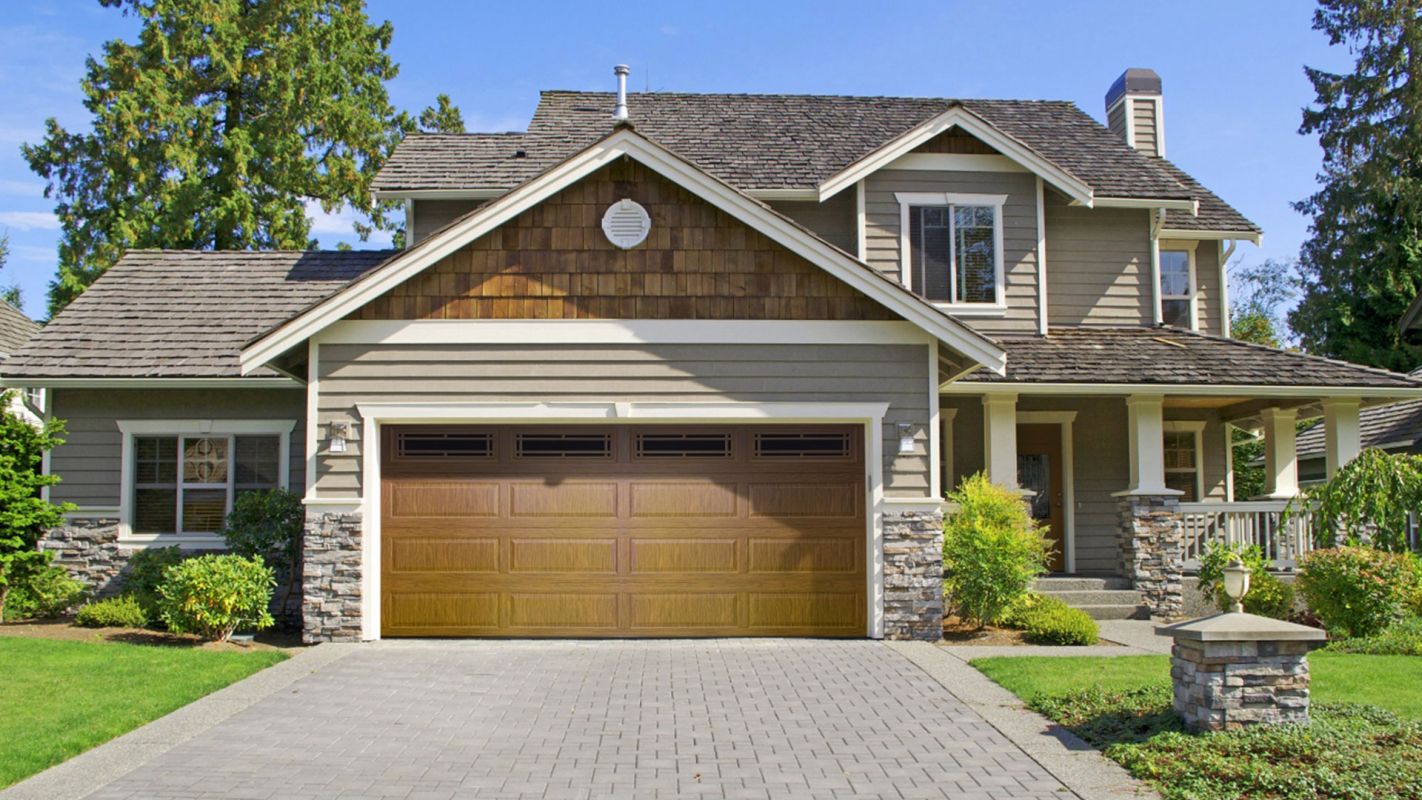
<point>906,446</point>
<point>339,432</point>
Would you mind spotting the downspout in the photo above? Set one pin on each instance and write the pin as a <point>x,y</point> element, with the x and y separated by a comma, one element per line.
<point>1156,223</point>
<point>1225,254</point>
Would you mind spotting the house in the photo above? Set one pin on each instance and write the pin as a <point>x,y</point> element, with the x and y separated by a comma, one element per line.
<point>697,364</point>
<point>1395,428</point>
<point>15,330</point>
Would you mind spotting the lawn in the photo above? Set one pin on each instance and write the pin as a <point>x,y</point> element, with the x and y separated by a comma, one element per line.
<point>1390,682</point>
<point>62,698</point>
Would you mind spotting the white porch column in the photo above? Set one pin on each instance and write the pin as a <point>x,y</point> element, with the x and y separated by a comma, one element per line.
<point>1145,434</point>
<point>1281,464</point>
<point>1000,438</point>
<point>1341,434</point>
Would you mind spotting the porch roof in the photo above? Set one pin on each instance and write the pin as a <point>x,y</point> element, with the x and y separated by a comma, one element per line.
<point>1168,356</point>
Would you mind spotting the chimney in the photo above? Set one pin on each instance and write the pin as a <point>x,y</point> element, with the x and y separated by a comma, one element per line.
<point>1133,110</point>
<point>619,112</point>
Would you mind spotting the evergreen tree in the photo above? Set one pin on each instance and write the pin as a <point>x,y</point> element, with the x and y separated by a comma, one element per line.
<point>216,127</point>
<point>442,117</point>
<point>1363,261</point>
<point>24,514</point>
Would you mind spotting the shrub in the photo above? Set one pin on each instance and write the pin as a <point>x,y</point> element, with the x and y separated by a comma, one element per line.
<point>1402,639</point>
<point>1358,591</point>
<point>992,550</point>
<point>115,612</point>
<point>214,595</point>
<point>44,594</point>
<point>24,513</point>
<point>1268,596</point>
<point>145,574</point>
<point>1367,502</point>
<point>1056,623</point>
<point>268,524</point>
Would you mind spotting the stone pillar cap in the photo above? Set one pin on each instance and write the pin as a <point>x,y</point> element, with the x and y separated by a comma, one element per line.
<point>1232,627</point>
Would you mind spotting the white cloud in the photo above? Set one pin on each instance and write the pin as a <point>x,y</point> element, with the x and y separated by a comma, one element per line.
<point>29,220</point>
<point>23,188</point>
<point>340,225</point>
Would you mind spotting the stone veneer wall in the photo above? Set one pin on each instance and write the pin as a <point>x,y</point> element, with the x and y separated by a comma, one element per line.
<point>331,578</point>
<point>88,547</point>
<point>913,575</point>
<point>1152,537</point>
<point>1225,685</point>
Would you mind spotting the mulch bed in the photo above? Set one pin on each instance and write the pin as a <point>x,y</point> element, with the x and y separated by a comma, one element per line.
<point>65,630</point>
<point>956,631</point>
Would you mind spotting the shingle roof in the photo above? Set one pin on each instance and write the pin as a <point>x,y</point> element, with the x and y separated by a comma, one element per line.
<point>15,330</point>
<point>1393,425</point>
<point>1166,356</point>
<point>168,313</point>
<point>782,142</point>
<point>1214,214</point>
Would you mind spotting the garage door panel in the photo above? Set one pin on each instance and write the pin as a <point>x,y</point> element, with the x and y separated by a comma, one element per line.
<point>803,500</point>
<point>440,499</point>
<point>805,609</point>
<point>441,610</point>
<point>573,555</point>
<point>422,554</point>
<point>682,610</point>
<point>695,499</point>
<point>805,555</point>
<point>568,498</point>
<point>562,610</point>
<point>684,555</point>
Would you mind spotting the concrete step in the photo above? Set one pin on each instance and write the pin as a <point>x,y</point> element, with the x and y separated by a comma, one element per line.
<point>1100,597</point>
<point>1115,612</point>
<point>1081,584</point>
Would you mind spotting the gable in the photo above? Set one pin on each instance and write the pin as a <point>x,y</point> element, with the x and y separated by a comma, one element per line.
<point>552,261</point>
<point>957,141</point>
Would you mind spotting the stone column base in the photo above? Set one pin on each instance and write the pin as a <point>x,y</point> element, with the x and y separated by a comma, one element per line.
<point>88,548</point>
<point>913,575</point>
<point>1226,685</point>
<point>331,578</point>
<point>1152,550</point>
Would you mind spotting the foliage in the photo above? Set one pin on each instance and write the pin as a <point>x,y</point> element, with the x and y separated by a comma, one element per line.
<point>1061,625</point>
<point>1359,591</point>
<point>45,593</point>
<point>123,611</point>
<point>442,117</point>
<point>216,127</point>
<point>268,524</point>
<point>1402,639</point>
<point>62,698</point>
<point>1268,596</point>
<point>992,550</point>
<point>1366,502</point>
<point>1258,295</point>
<point>24,514</point>
<point>214,595</point>
<point>1362,263</point>
<point>144,574</point>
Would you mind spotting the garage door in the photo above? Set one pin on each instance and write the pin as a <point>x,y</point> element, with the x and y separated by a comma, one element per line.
<point>622,531</point>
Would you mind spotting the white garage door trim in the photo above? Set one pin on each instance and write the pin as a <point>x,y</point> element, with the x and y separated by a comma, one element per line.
<point>870,415</point>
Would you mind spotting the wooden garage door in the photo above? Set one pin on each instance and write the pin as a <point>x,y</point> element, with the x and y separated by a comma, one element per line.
<point>622,531</point>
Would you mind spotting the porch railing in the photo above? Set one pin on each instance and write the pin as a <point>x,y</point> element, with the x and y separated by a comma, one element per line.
<point>1255,522</point>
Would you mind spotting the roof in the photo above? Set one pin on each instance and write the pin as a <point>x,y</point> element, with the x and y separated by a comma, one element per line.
<point>1393,426</point>
<point>1166,356</point>
<point>15,330</point>
<point>183,313</point>
<point>785,142</point>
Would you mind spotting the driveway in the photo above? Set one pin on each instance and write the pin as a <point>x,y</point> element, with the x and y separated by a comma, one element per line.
<point>712,718</point>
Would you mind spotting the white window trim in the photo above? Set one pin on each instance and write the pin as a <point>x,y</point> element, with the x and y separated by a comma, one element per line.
<point>1192,300</point>
<point>908,200</point>
<point>1197,427</point>
<point>190,427</point>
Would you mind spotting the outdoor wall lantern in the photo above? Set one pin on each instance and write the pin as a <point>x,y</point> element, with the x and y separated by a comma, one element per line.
<point>1236,583</point>
<point>339,431</point>
<point>906,447</point>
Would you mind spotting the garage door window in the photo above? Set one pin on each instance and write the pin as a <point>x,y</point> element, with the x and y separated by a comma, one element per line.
<point>683,445</point>
<point>802,445</point>
<point>444,445</point>
<point>563,445</point>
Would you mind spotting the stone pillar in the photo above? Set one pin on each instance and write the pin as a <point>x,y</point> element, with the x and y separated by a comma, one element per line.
<point>1152,550</point>
<point>1341,432</point>
<point>1235,670</point>
<point>1000,438</point>
<point>88,548</point>
<point>913,575</point>
<point>331,578</point>
<point>1281,463</point>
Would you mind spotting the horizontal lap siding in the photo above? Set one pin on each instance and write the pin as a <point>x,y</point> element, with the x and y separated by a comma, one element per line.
<point>1019,233</point>
<point>895,374</point>
<point>89,461</point>
<point>1098,265</point>
<point>431,215</point>
<point>833,220</point>
<point>1207,285</point>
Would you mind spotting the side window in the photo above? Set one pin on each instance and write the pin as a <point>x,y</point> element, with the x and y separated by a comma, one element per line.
<point>1176,293</point>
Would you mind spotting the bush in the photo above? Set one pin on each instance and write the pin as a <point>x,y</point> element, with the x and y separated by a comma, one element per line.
<point>268,524</point>
<point>115,612</point>
<point>1402,639</point>
<point>45,594</point>
<point>145,574</point>
<point>992,550</point>
<point>1052,622</point>
<point>1367,502</point>
<point>1359,591</point>
<point>215,595</point>
<point>1268,596</point>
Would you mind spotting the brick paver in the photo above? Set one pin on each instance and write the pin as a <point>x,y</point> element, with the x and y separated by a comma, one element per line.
<point>718,718</point>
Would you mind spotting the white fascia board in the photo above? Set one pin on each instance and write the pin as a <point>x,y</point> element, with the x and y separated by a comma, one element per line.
<point>637,331</point>
<point>1180,233</point>
<point>625,143</point>
<point>438,194</point>
<point>784,194</point>
<point>642,411</point>
<point>148,383</point>
<point>1193,206</point>
<point>1072,186</point>
<point>1204,390</point>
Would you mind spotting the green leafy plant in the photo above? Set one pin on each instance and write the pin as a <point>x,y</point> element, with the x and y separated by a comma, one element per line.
<point>144,574</point>
<point>1268,596</point>
<point>992,550</point>
<point>1359,591</point>
<point>124,611</point>
<point>24,514</point>
<point>268,524</point>
<point>1061,625</point>
<point>46,593</point>
<point>215,595</point>
<point>1367,502</point>
<point>1402,639</point>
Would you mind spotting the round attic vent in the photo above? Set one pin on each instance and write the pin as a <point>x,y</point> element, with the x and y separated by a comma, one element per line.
<point>626,224</point>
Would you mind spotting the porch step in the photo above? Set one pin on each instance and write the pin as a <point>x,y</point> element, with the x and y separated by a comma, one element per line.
<point>1115,612</point>
<point>1100,598</point>
<point>1080,584</point>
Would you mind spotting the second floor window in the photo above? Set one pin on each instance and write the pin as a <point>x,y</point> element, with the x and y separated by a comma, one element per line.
<point>1175,288</point>
<point>954,251</point>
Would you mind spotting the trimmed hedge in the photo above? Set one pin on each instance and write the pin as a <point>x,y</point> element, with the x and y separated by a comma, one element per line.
<point>1047,620</point>
<point>115,612</point>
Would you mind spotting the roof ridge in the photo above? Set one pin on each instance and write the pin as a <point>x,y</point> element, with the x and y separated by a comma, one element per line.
<point>817,96</point>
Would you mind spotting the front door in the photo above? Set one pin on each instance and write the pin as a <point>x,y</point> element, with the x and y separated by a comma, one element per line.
<point>1039,471</point>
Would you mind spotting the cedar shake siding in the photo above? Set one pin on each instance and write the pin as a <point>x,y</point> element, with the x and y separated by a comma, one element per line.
<point>753,373</point>
<point>554,262</point>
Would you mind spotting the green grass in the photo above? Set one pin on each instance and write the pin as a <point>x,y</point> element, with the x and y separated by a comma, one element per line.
<point>62,698</point>
<point>1390,682</point>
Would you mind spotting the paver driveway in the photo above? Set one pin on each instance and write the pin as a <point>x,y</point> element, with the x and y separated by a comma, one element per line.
<point>733,718</point>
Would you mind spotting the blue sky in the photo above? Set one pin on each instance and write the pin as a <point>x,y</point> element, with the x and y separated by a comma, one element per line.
<point>1232,71</point>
